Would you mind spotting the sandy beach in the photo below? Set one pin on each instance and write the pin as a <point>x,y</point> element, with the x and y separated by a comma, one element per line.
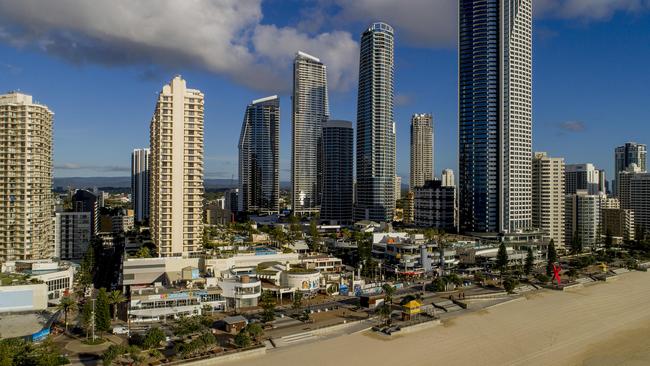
<point>603,324</point>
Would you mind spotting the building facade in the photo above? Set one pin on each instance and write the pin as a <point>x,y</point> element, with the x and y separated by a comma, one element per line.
<point>310,111</point>
<point>628,154</point>
<point>549,196</point>
<point>640,202</point>
<point>448,179</point>
<point>582,177</point>
<point>72,234</point>
<point>338,172</point>
<point>259,157</point>
<point>421,150</point>
<point>495,115</point>
<point>176,178</point>
<point>26,203</point>
<point>583,213</point>
<point>619,223</point>
<point>140,183</point>
<point>375,183</point>
<point>435,206</point>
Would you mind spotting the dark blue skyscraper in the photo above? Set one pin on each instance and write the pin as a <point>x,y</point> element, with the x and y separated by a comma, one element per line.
<point>259,157</point>
<point>495,115</point>
<point>376,126</point>
<point>338,188</point>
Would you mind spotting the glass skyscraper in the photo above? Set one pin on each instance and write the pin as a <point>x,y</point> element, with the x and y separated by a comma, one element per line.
<point>140,183</point>
<point>626,155</point>
<point>495,115</point>
<point>259,157</point>
<point>310,111</point>
<point>375,186</point>
<point>338,167</point>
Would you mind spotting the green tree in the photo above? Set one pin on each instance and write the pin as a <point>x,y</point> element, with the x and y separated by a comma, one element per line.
<point>153,337</point>
<point>267,302</point>
<point>242,339</point>
<point>102,311</point>
<point>576,244</point>
<point>87,316</point>
<point>384,312</point>
<point>297,301</point>
<point>315,238</point>
<point>115,298</point>
<point>389,291</point>
<point>143,252</point>
<point>530,261</point>
<point>609,240</point>
<point>255,331</point>
<point>66,305</point>
<point>551,257</point>
<point>502,258</point>
<point>509,284</point>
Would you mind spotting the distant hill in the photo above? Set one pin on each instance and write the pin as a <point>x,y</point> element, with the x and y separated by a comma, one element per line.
<point>125,182</point>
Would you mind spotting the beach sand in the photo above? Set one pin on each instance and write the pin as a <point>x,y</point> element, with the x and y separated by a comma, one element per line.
<point>604,324</point>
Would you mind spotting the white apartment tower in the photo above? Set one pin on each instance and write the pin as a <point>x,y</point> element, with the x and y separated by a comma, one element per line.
<point>310,111</point>
<point>421,150</point>
<point>26,206</point>
<point>549,196</point>
<point>176,178</point>
<point>448,179</point>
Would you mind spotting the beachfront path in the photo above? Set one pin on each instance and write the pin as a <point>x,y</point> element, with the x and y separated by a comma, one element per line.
<point>603,324</point>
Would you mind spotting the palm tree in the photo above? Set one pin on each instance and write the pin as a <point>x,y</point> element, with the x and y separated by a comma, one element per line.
<point>67,304</point>
<point>115,298</point>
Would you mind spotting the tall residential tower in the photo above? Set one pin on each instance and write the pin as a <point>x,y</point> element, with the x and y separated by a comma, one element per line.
<point>628,154</point>
<point>421,150</point>
<point>375,185</point>
<point>26,206</point>
<point>338,168</point>
<point>259,157</point>
<point>140,183</point>
<point>549,196</point>
<point>495,114</point>
<point>310,111</point>
<point>176,178</point>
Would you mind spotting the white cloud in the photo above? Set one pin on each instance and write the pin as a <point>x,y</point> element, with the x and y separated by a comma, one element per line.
<point>422,23</point>
<point>587,9</point>
<point>219,36</point>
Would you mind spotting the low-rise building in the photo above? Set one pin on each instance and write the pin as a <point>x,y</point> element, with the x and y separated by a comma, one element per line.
<point>619,223</point>
<point>72,234</point>
<point>435,206</point>
<point>156,303</point>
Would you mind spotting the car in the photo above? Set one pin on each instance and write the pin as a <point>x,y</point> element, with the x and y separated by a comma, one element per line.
<point>121,330</point>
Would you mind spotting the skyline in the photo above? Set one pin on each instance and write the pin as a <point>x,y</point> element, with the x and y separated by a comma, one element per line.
<point>565,122</point>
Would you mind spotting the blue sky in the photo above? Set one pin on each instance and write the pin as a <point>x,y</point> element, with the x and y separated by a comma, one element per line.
<point>100,67</point>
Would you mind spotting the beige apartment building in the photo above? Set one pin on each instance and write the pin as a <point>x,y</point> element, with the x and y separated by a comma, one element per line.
<point>549,197</point>
<point>177,170</point>
<point>26,206</point>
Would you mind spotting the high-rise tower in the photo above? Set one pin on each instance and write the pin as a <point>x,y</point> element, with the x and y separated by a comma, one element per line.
<point>310,111</point>
<point>495,114</point>
<point>26,207</point>
<point>259,157</point>
<point>338,167</point>
<point>421,150</point>
<point>375,185</point>
<point>140,183</point>
<point>176,178</point>
<point>626,155</point>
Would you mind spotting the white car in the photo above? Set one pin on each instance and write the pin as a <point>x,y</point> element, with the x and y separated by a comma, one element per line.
<point>121,330</point>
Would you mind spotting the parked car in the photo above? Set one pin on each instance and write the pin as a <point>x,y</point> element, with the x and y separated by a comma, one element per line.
<point>121,330</point>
